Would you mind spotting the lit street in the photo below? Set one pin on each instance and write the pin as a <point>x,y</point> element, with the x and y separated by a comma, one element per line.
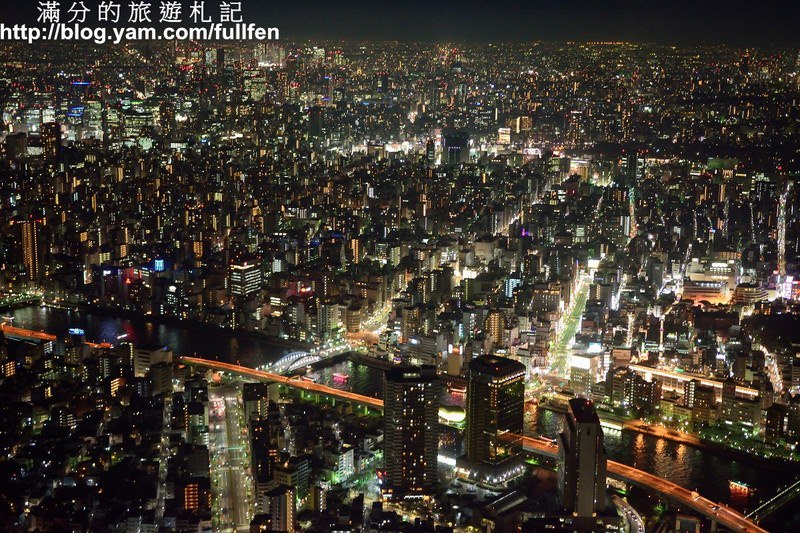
<point>231,481</point>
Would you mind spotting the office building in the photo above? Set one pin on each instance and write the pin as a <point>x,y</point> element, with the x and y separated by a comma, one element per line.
<point>582,461</point>
<point>495,408</point>
<point>145,357</point>
<point>411,430</point>
<point>245,278</point>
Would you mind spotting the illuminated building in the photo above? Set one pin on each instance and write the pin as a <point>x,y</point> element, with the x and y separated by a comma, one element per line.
<point>701,399</point>
<point>145,357</point>
<point>455,148</point>
<point>254,396</point>
<point>295,473</point>
<point>197,494</point>
<point>265,436</point>
<point>245,279</point>
<point>494,325</point>
<point>31,249</point>
<point>279,503</point>
<point>495,406</point>
<point>51,141</point>
<point>583,371</point>
<point>748,294</point>
<point>411,431</point>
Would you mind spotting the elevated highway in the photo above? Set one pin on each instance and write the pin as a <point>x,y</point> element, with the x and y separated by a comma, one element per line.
<point>294,382</point>
<point>720,513</point>
<point>13,332</point>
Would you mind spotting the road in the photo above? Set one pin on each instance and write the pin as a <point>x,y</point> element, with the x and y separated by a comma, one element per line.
<point>633,518</point>
<point>15,300</point>
<point>229,463</point>
<point>163,450</point>
<point>674,381</point>
<point>726,516</point>
<point>562,347</point>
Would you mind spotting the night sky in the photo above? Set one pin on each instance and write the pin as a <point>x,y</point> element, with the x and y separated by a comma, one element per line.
<point>736,22</point>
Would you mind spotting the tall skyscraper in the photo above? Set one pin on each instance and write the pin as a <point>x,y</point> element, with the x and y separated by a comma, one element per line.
<point>51,140</point>
<point>220,66</point>
<point>495,409</point>
<point>264,444</point>
<point>31,250</point>
<point>456,148</point>
<point>411,430</point>
<point>582,461</point>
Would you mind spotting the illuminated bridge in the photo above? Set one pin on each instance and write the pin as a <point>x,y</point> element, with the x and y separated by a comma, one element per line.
<point>292,361</point>
<point>296,360</point>
<point>782,498</point>
<point>719,513</point>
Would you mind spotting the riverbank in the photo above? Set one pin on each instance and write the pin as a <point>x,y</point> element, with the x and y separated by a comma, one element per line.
<point>637,426</point>
<point>18,304</point>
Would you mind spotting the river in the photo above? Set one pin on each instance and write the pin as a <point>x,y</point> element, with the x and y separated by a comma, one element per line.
<point>207,343</point>
<point>704,471</point>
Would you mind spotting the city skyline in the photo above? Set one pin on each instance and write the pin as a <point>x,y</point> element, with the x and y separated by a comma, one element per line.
<point>397,286</point>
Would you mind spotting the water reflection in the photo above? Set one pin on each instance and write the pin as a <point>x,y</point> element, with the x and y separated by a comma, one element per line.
<point>203,343</point>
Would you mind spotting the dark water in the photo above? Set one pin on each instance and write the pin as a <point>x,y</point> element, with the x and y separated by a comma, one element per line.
<point>706,472</point>
<point>202,343</point>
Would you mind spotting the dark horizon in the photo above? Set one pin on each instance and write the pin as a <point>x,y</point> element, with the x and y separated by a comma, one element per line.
<point>737,23</point>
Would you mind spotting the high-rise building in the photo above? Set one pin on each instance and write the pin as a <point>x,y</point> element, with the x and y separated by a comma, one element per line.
<point>316,121</point>
<point>495,409</point>
<point>51,140</point>
<point>31,249</point>
<point>456,148</point>
<point>430,153</point>
<point>493,326</point>
<point>16,146</point>
<point>220,66</point>
<point>411,430</point>
<point>147,356</point>
<point>255,399</point>
<point>245,278</point>
<point>264,444</point>
<point>582,461</point>
<point>583,371</point>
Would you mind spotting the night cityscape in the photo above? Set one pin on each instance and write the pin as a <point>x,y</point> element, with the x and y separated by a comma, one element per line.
<point>352,285</point>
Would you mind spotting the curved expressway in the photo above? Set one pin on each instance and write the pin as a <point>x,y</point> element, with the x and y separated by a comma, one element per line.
<point>724,515</point>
